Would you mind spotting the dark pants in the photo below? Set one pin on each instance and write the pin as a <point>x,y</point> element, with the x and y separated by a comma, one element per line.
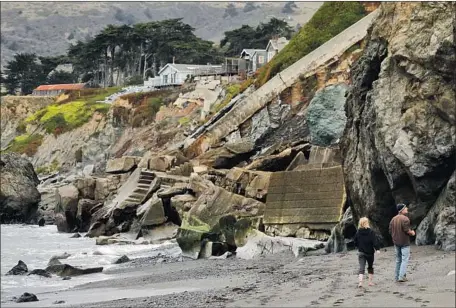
<point>363,258</point>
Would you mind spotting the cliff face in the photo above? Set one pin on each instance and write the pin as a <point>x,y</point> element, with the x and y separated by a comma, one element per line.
<point>14,109</point>
<point>399,141</point>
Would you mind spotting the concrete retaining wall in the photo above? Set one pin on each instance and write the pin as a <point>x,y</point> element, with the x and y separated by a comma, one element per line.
<point>313,197</point>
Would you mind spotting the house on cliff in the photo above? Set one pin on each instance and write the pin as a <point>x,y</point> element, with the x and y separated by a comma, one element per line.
<point>173,74</point>
<point>274,46</point>
<point>57,89</point>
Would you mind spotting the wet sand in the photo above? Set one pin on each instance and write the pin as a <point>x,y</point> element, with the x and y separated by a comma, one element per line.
<point>272,281</point>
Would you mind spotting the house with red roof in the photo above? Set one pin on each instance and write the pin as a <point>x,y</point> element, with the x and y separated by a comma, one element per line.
<point>57,89</point>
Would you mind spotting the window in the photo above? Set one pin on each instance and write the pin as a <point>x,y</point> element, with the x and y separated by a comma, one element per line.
<point>165,79</point>
<point>270,55</point>
<point>260,59</point>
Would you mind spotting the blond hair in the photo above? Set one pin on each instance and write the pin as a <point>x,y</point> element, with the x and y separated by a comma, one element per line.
<point>363,223</point>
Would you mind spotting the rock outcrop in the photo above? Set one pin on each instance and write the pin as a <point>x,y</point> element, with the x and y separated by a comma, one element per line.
<point>19,196</point>
<point>438,227</point>
<point>399,144</point>
<point>326,115</point>
<point>64,270</point>
<point>19,269</point>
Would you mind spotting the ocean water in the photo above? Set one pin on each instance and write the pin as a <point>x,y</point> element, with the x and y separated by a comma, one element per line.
<point>36,245</point>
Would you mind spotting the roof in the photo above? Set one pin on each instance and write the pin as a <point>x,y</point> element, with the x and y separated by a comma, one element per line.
<point>278,43</point>
<point>250,52</point>
<point>68,86</point>
<point>260,53</point>
<point>190,67</point>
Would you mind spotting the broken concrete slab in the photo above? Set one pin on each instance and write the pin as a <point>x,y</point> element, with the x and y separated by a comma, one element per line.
<point>154,214</point>
<point>313,198</point>
<point>300,159</point>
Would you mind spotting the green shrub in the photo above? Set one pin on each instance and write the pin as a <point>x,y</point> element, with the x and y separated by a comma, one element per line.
<point>330,19</point>
<point>184,121</point>
<point>21,128</point>
<point>26,144</point>
<point>59,118</point>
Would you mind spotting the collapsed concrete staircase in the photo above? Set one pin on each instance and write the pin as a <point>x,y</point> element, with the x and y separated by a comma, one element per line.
<point>227,121</point>
<point>146,183</point>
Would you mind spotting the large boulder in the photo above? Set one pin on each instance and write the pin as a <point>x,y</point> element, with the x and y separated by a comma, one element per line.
<point>27,297</point>
<point>342,234</point>
<point>19,196</point>
<point>61,223</point>
<point>326,115</point>
<point>65,270</point>
<point>259,244</point>
<point>438,227</point>
<point>68,197</point>
<point>122,165</point>
<point>228,155</point>
<point>86,208</point>
<point>213,216</point>
<point>399,144</point>
<point>19,269</point>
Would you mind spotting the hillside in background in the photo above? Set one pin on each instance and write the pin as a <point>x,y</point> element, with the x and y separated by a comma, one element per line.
<point>47,29</point>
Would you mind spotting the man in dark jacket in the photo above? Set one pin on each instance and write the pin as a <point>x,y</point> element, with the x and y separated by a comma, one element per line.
<point>400,231</point>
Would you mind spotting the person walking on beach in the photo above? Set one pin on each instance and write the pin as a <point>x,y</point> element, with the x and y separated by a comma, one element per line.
<point>400,231</point>
<point>367,244</point>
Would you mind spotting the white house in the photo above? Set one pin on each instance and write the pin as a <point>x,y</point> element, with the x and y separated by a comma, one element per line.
<point>275,46</point>
<point>176,74</point>
<point>248,54</point>
<point>259,58</point>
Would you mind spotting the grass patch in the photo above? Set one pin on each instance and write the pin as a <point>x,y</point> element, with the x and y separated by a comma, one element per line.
<point>184,121</point>
<point>330,19</point>
<point>232,91</point>
<point>26,144</point>
<point>47,169</point>
<point>68,115</point>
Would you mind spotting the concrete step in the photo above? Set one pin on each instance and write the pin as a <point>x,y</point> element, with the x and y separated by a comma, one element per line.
<point>149,173</point>
<point>130,201</point>
<point>140,191</point>
<point>145,182</point>
<point>143,186</point>
<point>146,177</point>
<point>138,196</point>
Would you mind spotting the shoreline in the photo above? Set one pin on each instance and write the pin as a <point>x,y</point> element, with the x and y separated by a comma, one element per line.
<point>274,280</point>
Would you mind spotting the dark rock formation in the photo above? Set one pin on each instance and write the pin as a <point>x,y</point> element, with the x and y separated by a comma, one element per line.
<point>438,227</point>
<point>122,259</point>
<point>64,270</point>
<point>399,141</point>
<point>19,269</point>
<point>40,272</point>
<point>342,234</point>
<point>19,196</point>
<point>41,222</point>
<point>27,297</point>
<point>326,115</point>
<point>85,210</point>
<point>67,197</point>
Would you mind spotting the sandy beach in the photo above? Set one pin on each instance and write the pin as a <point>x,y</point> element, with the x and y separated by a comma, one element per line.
<point>319,280</point>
